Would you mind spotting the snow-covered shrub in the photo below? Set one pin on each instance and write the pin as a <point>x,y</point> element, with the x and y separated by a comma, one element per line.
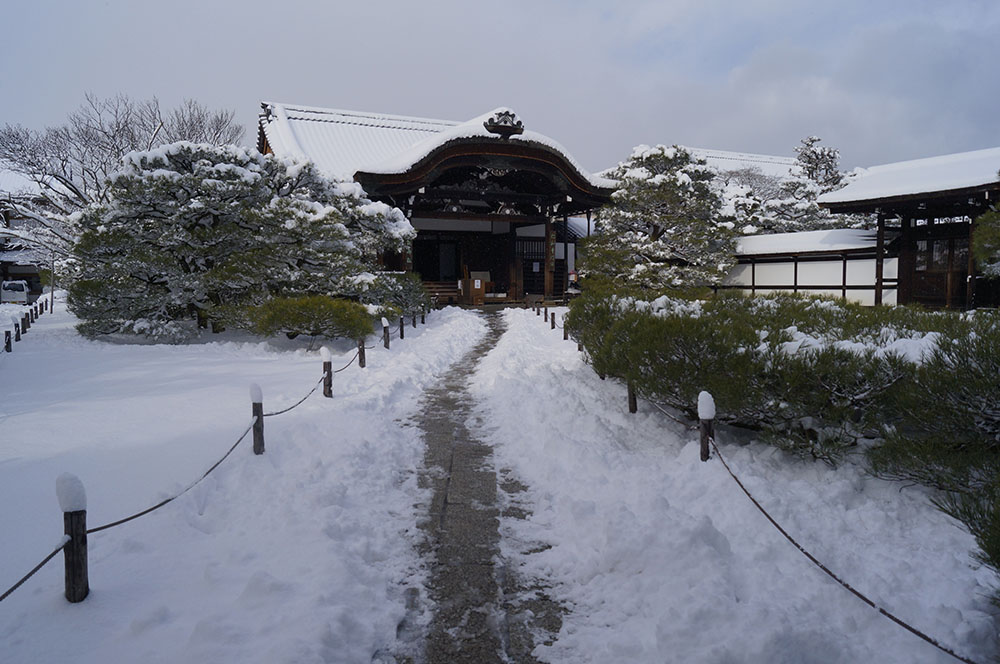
<point>314,315</point>
<point>188,228</point>
<point>663,228</point>
<point>986,243</point>
<point>781,365</point>
<point>947,431</point>
<point>397,294</point>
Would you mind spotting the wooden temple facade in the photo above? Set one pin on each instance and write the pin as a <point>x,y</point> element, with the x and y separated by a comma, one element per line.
<point>490,201</point>
<point>930,207</point>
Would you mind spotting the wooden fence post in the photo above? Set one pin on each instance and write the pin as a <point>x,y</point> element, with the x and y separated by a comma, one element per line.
<point>385,332</point>
<point>402,328</point>
<point>73,503</point>
<point>25,323</point>
<point>706,417</point>
<point>423,314</point>
<point>579,346</point>
<point>17,329</point>
<point>546,313</point>
<point>257,402</point>
<point>565,330</point>
<point>6,341</point>
<point>552,321</point>
<point>538,309</point>
<point>324,352</point>
<point>633,402</point>
<point>414,320</point>
<point>361,352</point>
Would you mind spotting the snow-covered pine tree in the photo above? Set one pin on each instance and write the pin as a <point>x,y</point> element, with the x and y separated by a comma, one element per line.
<point>770,204</point>
<point>70,165</point>
<point>986,243</point>
<point>186,228</point>
<point>663,228</point>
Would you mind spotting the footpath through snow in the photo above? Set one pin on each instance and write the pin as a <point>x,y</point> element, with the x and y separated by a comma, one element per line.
<point>661,558</point>
<point>304,554</point>
<point>310,553</point>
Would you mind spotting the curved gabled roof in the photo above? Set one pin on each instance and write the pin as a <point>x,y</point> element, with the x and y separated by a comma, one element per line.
<point>343,143</point>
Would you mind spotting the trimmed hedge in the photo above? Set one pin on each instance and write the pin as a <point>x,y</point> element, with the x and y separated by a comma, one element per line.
<point>917,391</point>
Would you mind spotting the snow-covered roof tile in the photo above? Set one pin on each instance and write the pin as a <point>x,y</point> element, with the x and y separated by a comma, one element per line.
<point>841,239</point>
<point>723,160</point>
<point>342,142</point>
<point>920,176</point>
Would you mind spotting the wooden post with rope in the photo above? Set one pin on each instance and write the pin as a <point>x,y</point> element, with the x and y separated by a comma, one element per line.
<point>385,333</point>
<point>327,372</point>
<point>73,503</point>
<point>361,352</point>
<point>706,422</point>
<point>257,408</point>
<point>633,402</point>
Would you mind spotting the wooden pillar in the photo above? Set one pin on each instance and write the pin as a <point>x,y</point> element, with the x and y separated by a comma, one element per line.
<point>753,276</point>
<point>879,256</point>
<point>565,281</point>
<point>970,279</point>
<point>550,256</point>
<point>512,276</point>
<point>795,273</point>
<point>907,261</point>
<point>843,277</point>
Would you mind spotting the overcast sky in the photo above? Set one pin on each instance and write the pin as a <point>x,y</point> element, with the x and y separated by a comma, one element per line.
<point>882,80</point>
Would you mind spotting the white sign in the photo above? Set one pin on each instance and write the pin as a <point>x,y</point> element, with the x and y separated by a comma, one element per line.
<point>534,266</point>
<point>477,283</point>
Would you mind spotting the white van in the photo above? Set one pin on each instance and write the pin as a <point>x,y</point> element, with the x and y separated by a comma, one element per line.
<point>14,292</point>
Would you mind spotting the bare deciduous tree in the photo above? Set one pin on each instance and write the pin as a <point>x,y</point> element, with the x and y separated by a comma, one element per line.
<point>70,164</point>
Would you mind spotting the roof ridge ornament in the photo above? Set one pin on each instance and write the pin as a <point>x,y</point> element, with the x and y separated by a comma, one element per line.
<point>505,123</point>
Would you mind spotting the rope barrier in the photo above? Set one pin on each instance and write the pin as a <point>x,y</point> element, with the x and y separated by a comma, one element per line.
<point>173,498</point>
<point>299,402</point>
<point>35,569</point>
<point>348,364</point>
<point>831,574</point>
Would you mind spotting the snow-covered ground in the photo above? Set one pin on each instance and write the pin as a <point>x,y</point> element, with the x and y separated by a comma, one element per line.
<point>305,554</point>
<point>300,555</point>
<point>661,558</point>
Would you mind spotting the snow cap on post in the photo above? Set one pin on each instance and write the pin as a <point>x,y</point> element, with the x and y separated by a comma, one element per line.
<point>14,320</point>
<point>324,353</point>
<point>385,322</point>
<point>706,406</point>
<point>72,496</point>
<point>256,394</point>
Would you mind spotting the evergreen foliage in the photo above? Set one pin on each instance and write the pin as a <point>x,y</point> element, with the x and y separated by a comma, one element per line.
<point>663,228</point>
<point>314,315</point>
<point>821,379</point>
<point>986,243</point>
<point>71,164</point>
<point>187,228</point>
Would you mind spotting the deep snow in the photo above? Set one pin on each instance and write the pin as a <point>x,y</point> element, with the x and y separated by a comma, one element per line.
<point>305,554</point>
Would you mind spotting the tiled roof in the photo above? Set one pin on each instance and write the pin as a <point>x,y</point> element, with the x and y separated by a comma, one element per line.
<point>733,161</point>
<point>840,239</point>
<point>342,142</point>
<point>920,176</point>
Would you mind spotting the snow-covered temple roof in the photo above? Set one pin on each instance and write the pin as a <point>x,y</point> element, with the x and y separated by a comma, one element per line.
<point>343,143</point>
<point>722,160</point>
<point>920,177</point>
<point>841,239</point>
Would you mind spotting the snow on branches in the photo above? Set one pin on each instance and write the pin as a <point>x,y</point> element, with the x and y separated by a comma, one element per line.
<point>664,227</point>
<point>190,228</point>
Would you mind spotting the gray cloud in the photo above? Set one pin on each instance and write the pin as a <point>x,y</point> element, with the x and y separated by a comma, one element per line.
<point>756,75</point>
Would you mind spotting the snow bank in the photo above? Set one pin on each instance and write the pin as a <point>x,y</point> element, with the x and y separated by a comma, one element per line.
<point>304,554</point>
<point>659,557</point>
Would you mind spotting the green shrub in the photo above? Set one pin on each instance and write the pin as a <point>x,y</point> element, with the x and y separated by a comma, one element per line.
<point>315,315</point>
